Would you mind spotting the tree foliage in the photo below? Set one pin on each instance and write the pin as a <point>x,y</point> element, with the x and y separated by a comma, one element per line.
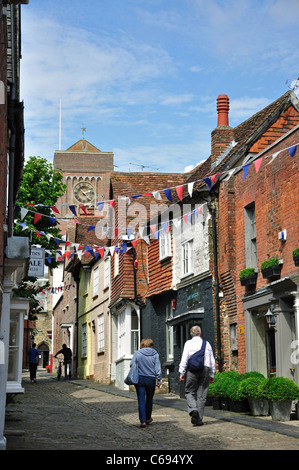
<point>41,186</point>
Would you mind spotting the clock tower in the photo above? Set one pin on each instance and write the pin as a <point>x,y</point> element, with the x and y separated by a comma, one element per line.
<point>86,174</point>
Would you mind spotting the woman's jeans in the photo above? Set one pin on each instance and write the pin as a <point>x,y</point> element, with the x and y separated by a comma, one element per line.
<point>145,394</point>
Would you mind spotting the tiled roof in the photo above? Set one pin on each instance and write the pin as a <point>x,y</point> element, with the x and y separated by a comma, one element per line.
<point>245,134</point>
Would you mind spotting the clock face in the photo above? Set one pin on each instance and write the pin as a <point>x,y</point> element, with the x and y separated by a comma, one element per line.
<point>84,192</point>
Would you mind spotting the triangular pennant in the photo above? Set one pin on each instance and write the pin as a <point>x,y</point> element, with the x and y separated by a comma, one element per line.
<point>112,203</point>
<point>245,170</point>
<point>37,217</point>
<point>73,209</point>
<point>164,225</point>
<point>91,227</point>
<point>83,208</point>
<point>208,182</point>
<point>23,213</point>
<point>213,177</point>
<point>123,248</point>
<point>100,206</point>
<point>292,150</point>
<point>179,191</point>
<point>157,235</point>
<point>111,249</point>
<point>67,254</point>
<point>257,163</point>
<point>134,243</point>
<point>186,218</point>
<point>153,229</point>
<point>190,188</point>
<point>167,193</point>
<point>54,209</point>
<point>157,195</point>
<point>52,220</point>
<point>102,251</point>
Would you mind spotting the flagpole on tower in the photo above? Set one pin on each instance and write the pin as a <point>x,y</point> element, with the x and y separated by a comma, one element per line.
<point>60,126</point>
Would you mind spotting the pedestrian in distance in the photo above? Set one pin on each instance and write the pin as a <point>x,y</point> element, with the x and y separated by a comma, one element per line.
<point>149,370</point>
<point>197,377</point>
<point>67,360</point>
<point>33,354</point>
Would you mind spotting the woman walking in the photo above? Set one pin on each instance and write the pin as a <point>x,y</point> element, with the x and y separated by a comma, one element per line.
<point>149,369</point>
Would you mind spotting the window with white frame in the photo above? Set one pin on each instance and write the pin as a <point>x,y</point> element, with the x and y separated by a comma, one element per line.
<point>101,332</point>
<point>116,264</point>
<point>187,265</point>
<point>134,331</point>
<point>164,244</point>
<point>84,339</point>
<point>95,281</point>
<point>121,330</point>
<point>169,333</point>
<point>87,279</point>
<point>107,272</point>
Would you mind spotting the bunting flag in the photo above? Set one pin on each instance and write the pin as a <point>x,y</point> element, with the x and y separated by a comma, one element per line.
<point>245,170</point>
<point>210,181</point>
<point>257,164</point>
<point>292,150</point>
<point>167,193</point>
<point>37,217</point>
<point>179,191</point>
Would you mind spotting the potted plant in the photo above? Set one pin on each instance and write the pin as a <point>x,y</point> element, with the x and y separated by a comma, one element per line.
<point>248,276</point>
<point>280,391</point>
<point>296,256</point>
<point>218,389</point>
<point>252,388</point>
<point>271,267</point>
<point>237,399</point>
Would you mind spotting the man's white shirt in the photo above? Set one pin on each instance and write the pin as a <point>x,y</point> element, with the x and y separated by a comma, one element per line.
<point>193,345</point>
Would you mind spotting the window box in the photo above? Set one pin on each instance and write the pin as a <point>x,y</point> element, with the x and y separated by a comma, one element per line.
<point>271,268</point>
<point>296,256</point>
<point>248,277</point>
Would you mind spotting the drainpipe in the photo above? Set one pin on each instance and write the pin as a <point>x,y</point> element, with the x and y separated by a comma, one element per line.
<point>216,281</point>
<point>12,129</point>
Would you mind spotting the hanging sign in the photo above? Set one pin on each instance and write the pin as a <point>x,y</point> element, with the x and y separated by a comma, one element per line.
<point>37,262</point>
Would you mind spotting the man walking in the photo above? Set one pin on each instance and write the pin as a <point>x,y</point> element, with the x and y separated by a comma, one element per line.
<point>67,355</point>
<point>33,354</point>
<point>197,382</point>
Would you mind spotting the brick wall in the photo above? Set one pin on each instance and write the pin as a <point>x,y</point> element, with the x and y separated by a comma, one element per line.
<point>3,142</point>
<point>275,191</point>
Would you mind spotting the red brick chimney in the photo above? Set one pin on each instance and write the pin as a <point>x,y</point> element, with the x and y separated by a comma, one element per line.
<point>223,135</point>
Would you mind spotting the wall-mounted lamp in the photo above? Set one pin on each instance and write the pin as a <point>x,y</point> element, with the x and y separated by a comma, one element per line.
<point>271,317</point>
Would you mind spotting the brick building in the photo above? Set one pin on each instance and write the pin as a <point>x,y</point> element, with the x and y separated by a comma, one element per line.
<point>14,251</point>
<point>256,203</point>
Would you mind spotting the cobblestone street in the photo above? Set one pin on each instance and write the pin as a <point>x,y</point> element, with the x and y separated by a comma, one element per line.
<point>82,415</point>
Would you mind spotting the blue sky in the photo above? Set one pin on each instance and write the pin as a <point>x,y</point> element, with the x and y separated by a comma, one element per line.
<point>143,76</point>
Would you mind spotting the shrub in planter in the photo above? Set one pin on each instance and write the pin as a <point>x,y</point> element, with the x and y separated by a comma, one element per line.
<point>296,256</point>
<point>248,276</point>
<point>271,267</point>
<point>252,388</point>
<point>280,391</point>
<point>218,389</point>
<point>237,399</point>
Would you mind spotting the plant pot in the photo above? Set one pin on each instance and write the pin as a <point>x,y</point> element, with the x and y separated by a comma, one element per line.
<point>248,281</point>
<point>280,410</point>
<point>296,260</point>
<point>224,404</point>
<point>239,406</point>
<point>272,271</point>
<point>216,404</point>
<point>258,406</point>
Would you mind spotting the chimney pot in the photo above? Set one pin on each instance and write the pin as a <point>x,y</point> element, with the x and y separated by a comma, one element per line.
<point>222,108</point>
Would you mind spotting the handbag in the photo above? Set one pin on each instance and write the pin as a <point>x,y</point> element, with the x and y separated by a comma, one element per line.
<point>133,376</point>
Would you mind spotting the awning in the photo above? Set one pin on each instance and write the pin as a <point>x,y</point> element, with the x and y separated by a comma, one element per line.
<point>196,314</point>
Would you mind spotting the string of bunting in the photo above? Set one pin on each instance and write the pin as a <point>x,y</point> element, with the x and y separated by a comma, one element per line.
<point>122,248</point>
